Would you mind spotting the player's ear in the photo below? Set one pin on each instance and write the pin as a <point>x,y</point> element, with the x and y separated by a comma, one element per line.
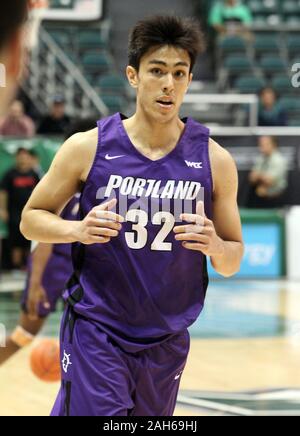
<point>190,79</point>
<point>132,76</point>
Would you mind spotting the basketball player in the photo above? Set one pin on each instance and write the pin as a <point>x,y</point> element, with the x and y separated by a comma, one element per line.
<point>140,275</point>
<point>49,268</point>
<point>12,18</point>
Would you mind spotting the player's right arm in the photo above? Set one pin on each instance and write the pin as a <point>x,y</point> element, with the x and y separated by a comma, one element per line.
<point>40,218</point>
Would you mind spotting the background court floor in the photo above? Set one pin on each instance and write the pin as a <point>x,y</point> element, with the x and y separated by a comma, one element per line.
<point>244,358</point>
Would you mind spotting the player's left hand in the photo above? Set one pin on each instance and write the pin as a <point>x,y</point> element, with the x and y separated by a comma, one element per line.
<point>201,234</point>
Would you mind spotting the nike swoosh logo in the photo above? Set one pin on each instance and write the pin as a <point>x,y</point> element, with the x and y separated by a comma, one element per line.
<point>107,157</point>
<point>177,376</point>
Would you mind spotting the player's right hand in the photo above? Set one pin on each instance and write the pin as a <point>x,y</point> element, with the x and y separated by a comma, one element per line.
<point>100,225</point>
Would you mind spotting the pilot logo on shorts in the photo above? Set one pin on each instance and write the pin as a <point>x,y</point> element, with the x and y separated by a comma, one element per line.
<point>66,362</point>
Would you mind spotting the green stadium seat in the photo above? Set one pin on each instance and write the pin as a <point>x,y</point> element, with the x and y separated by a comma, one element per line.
<point>259,20</point>
<point>112,84</point>
<point>272,33</point>
<point>290,104</point>
<point>61,38</point>
<point>294,122</point>
<point>90,40</point>
<point>96,61</point>
<point>256,6</point>
<point>272,65</point>
<point>293,21</point>
<point>282,85</point>
<point>232,44</point>
<point>263,6</point>
<point>293,44</point>
<point>290,7</point>
<point>266,44</point>
<point>114,103</point>
<point>236,64</point>
<point>249,84</point>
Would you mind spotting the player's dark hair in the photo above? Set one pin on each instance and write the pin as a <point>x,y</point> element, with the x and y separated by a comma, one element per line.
<point>160,30</point>
<point>13,15</point>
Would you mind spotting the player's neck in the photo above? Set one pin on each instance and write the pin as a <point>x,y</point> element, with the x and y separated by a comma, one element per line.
<point>145,132</point>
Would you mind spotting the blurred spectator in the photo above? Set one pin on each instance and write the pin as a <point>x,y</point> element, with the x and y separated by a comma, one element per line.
<point>15,189</point>
<point>270,111</point>
<point>57,122</point>
<point>17,123</point>
<point>29,106</point>
<point>230,17</point>
<point>269,176</point>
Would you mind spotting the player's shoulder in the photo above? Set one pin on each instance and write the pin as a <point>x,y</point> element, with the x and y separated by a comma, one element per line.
<point>78,151</point>
<point>219,155</point>
<point>82,139</point>
<point>223,166</point>
<point>81,145</point>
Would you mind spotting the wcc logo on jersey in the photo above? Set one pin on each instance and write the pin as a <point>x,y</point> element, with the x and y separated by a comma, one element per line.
<point>196,165</point>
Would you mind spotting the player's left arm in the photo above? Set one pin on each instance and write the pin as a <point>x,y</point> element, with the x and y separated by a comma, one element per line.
<point>220,238</point>
<point>226,217</point>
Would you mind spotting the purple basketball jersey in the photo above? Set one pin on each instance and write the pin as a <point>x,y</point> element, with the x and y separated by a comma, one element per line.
<point>143,286</point>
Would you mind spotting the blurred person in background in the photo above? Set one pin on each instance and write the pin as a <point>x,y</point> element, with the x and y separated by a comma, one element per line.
<point>56,122</point>
<point>17,123</point>
<point>270,111</point>
<point>269,176</point>
<point>230,17</point>
<point>15,189</point>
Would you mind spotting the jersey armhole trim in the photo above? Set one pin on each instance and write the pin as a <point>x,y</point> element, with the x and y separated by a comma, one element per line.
<point>209,167</point>
<point>92,169</point>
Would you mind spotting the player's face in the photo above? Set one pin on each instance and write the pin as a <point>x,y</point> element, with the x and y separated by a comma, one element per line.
<point>162,82</point>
